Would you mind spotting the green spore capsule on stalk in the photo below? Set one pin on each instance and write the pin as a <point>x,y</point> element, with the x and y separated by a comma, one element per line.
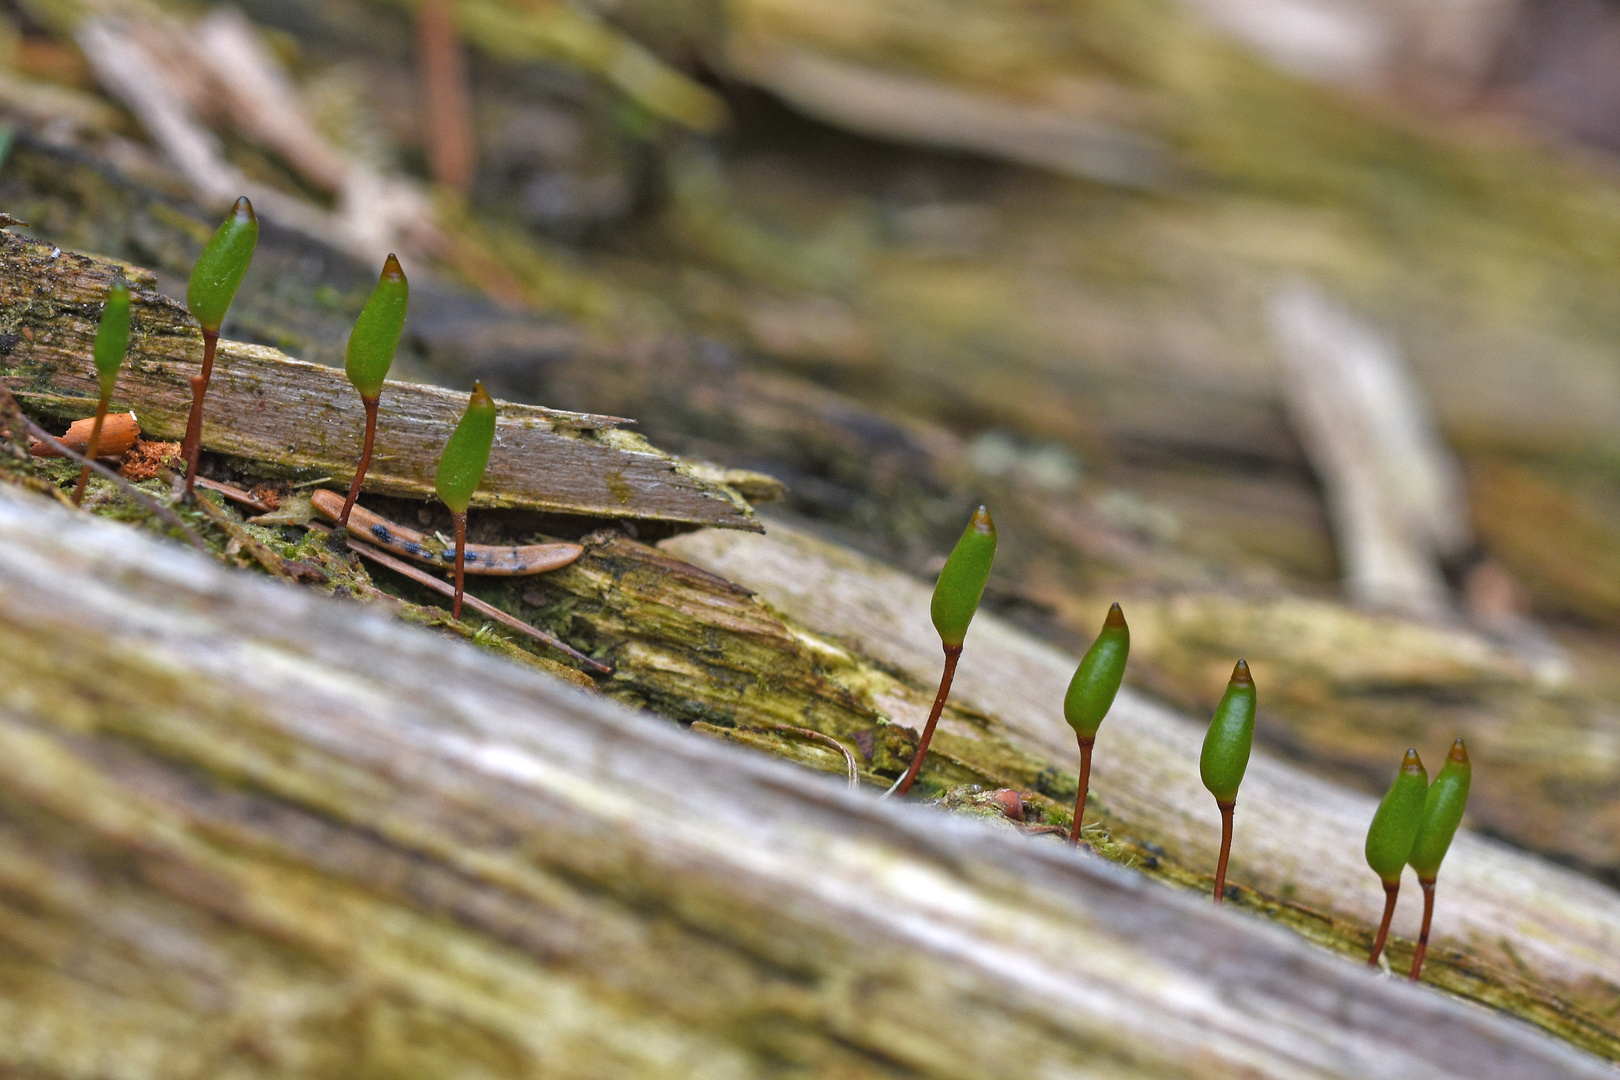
<point>1389,838</point>
<point>1443,807</point>
<point>370,354</point>
<point>461,470</point>
<point>213,285</point>
<point>112,341</point>
<point>956,598</point>
<point>1226,757</point>
<point>1090,696</point>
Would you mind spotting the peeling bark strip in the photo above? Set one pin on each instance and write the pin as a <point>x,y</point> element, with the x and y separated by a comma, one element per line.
<point>299,417</point>
<point>276,836</point>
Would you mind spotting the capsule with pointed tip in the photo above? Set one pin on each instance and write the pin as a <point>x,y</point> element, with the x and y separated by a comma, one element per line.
<point>961,582</point>
<point>1395,823</point>
<point>376,332</point>
<point>1096,681</point>
<point>112,336</point>
<point>466,455</point>
<point>1230,738</point>
<point>1443,807</point>
<point>221,265</point>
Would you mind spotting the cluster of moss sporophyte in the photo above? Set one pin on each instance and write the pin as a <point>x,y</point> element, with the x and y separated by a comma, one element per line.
<point>1414,823</point>
<point>372,344</point>
<point>1413,826</point>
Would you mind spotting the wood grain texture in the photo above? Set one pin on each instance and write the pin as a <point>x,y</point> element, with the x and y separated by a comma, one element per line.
<point>250,831</point>
<point>305,418</point>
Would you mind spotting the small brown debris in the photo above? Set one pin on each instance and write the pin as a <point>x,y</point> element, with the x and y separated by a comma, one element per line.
<point>148,458</point>
<point>267,493</point>
<point>1008,801</point>
<point>118,433</point>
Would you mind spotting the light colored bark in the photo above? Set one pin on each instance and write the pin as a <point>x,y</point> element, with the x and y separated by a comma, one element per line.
<point>251,832</point>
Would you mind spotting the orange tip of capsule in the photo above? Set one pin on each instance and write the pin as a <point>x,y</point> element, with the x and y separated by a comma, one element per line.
<point>1240,674</point>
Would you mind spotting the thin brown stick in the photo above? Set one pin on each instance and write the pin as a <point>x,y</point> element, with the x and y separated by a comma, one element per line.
<point>90,449</point>
<point>447,108</point>
<point>365,459</point>
<point>952,654</point>
<point>9,404</point>
<point>1226,848</point>
<point>1392,889</point>
<point>461,560</point>
<point>191,446</point>
<point>1423,937</point>
<point>827,741</point>
<point>1086,744</point>
<point>234,493</point>
<point>489,611</point>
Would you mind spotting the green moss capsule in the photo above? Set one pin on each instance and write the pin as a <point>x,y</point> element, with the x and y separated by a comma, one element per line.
<point>1395,824</point>
<point>1096,681</point>
<point>961,582</point>
<point>1230,737</point>
<point>1443,807</point>
<point>112,336</point>
<point>376,332</point>
<point>466,455</point>
<point>221,265</point>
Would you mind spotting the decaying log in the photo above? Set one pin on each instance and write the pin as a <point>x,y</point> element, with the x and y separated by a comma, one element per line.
<point>544,459</point>
<point>1523,934</point>
<point>249,831</point>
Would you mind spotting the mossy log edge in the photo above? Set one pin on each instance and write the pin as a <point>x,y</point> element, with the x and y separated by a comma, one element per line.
<point>250,830</point>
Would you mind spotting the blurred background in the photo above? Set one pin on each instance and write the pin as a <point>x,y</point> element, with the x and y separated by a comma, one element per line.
<point>1293,325</point>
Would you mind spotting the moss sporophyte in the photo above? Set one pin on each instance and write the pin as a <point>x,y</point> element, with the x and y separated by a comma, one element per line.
<point>461,470</point>
<point>213,285</point>
<point>956,598</point>
<point>1389,838</point>
<point>1090,696</point>
<point>1226,757</point>
<point>370,354</point>
<point>112,341</point>
<point>1443,806</point>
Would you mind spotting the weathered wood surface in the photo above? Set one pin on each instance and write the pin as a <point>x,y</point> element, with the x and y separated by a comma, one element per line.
<point>249,831</point>
<point>1526,934</point>
<point>544,459</point>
